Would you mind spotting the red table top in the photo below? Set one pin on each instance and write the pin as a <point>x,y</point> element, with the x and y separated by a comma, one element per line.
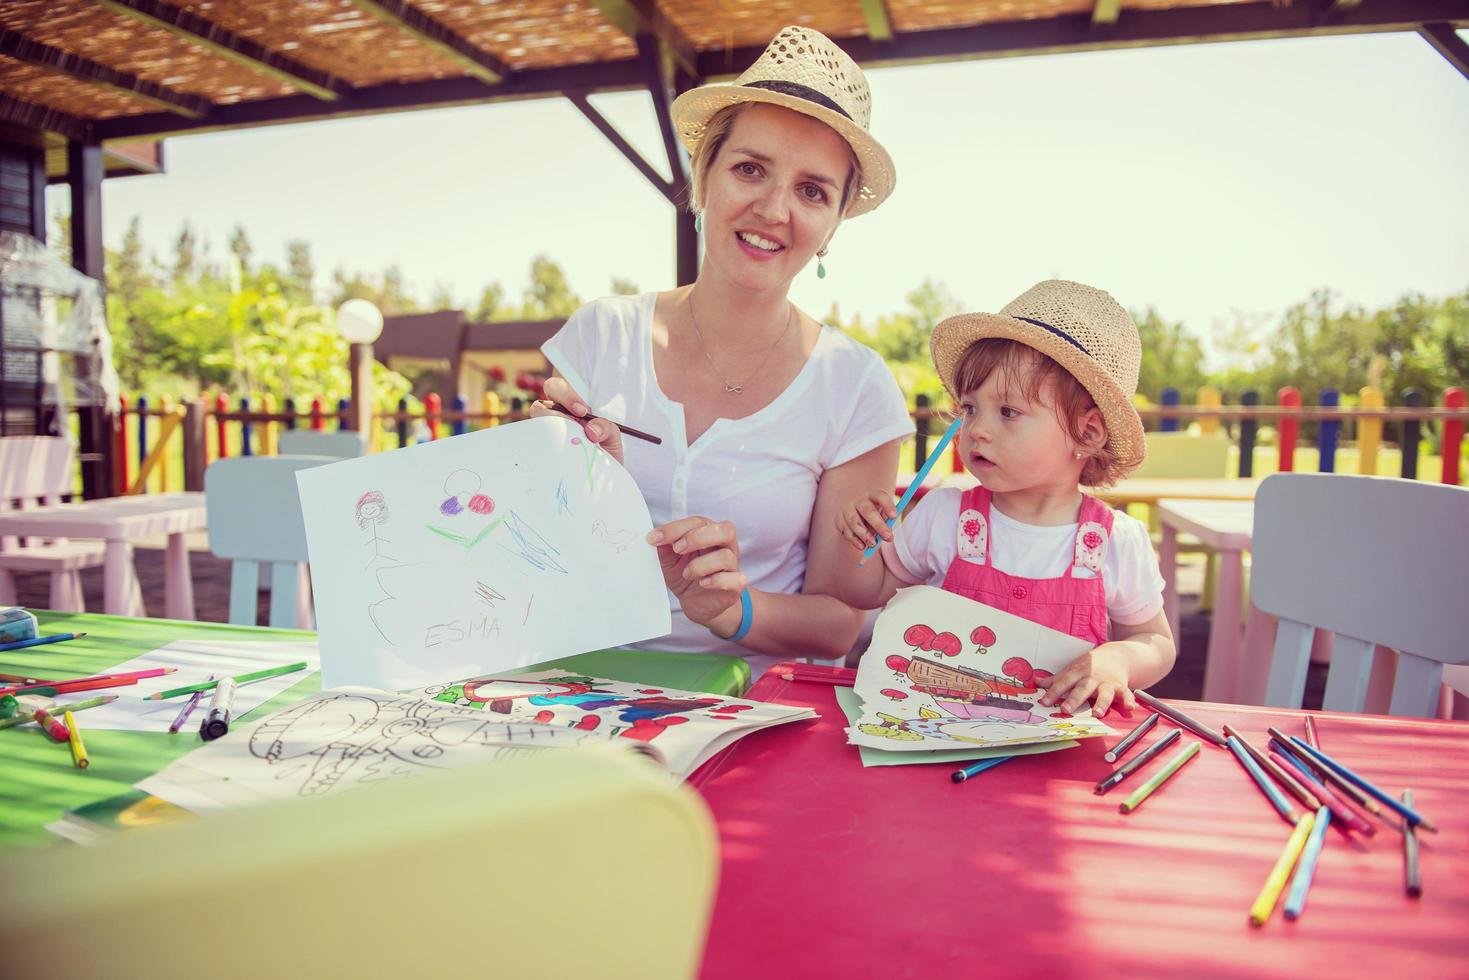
<point>830,869</point>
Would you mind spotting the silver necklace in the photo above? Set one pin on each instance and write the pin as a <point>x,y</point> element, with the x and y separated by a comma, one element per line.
<point>729,387</point>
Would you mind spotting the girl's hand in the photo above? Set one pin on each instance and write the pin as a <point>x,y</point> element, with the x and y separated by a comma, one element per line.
<point>701,565</point>
<point>1101,672</point>
<point>601,432</point>
<point>865,517</point>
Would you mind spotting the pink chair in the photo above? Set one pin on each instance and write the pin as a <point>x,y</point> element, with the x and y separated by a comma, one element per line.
<point>32,469</point>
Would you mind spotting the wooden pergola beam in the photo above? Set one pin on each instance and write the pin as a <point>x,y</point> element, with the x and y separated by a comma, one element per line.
<point>637,18</point>
<point>579,99</point>
<point>43,56</point>
<point>879,24</point>
<point>425,29</point>
<point>229,45</point>
<point>1140,28</point>
<point>618,76</point>
<point>1449,44</point>
<point>32,116</point>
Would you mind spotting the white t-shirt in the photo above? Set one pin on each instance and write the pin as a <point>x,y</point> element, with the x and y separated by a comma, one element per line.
<point>760,471</point>
<point>927,541</point>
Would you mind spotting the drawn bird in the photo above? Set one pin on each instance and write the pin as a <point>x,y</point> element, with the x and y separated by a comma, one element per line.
<point>616,540</point>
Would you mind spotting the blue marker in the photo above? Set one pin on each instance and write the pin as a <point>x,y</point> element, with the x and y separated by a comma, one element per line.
<point>959,775</point>
<point>917,479</point>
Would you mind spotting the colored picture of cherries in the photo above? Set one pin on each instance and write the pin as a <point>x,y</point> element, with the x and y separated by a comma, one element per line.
<point>1019,668</point>
<point>900,664</point>
<point>896,695</point>
<point>924,638</point>
<point>918,636</point>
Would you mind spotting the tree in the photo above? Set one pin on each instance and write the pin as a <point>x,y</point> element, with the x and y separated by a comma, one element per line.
<point>185,256</point>
<point>388,292</point>
<point>301,269</point>
<point>549,296</point>
<point>1172,357</point>
<point>240,247</point>
<point>491,306</point>
<point>623,287</point>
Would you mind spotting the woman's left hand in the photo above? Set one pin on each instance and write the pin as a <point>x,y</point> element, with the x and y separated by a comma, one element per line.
<point>701,565</point>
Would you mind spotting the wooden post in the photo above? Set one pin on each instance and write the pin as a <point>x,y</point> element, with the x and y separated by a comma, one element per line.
<point>195,448</point>
<point>1326,432</point>
<point>120,445</point>
<point>920,432</point>
<point>1209,397</point>
<point>142,439</point>
<point>1290,428</point>
<point>1453,436</point>
<point>1412,432</point>
<point>221,435</point>
<point>1247,429</point>
<point>318,420</point>
<point>402,424</point>
<point>1369,432</point>
<point>433,407</point>
<point>460,425</point>
<point>1169,423</point>
<point>246,429</point>
<point>492,407</point>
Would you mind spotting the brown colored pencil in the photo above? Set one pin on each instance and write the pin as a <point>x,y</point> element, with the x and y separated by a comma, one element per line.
<point>1292,785</point>
<point>626,429</point>
<point>1202,730</point>
<point>1311,738</point>
<point>1331,776</point>
<point>1412,880</point>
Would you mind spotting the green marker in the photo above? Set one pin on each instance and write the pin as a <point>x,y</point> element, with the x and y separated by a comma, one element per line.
<point>242,679</point>
<point>1174,764</point>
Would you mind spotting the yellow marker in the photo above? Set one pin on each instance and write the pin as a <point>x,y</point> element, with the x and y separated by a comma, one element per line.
<point>78,750</point>
<point>1265,904</point>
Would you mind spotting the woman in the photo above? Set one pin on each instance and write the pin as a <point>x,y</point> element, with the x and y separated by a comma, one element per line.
<point>770,421</point>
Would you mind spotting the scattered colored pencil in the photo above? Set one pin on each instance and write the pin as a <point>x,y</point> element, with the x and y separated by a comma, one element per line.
<point>242,679</point>
<point>842,677</point>
<point>1412,881</point>
<point>1311,738</point>
<point>29,716</point>
<point>1201,730</point>
<point>1159,778</point>
<point>184,713</point>
<point>1120,749</point>
<point>78,750</point>
<point>1295,899</point>
<point>626,429</point>
<point>1343,816</point>
<point>1277,799</point>
<point>89,683</point>
<point>933,457</point>
<point>959,775</point>
<point>40,641</point>
<point>1265,904</point>
<point>1406,812</point>
<point>1136,762</point>
<point>21,679</point>
<point>1328,775</point>
<point>1291,784</point>
<point>52,725</point>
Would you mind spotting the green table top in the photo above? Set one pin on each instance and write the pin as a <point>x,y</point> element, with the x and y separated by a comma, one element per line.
<point>38,782</point>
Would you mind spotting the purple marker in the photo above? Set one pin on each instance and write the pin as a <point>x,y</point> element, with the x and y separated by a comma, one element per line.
<point>188,709</point>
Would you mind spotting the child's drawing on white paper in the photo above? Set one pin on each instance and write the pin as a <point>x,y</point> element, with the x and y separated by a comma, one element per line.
<point>372,513</point>
<point>939,690</point>
<point>508,571</point>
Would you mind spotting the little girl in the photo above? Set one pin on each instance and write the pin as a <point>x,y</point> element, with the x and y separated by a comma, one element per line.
<point>1045,389</point>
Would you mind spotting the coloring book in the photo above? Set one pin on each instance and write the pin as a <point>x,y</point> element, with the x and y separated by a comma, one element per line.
<point>944,672</point>
<point>686,727</point>
<point>481,553</point>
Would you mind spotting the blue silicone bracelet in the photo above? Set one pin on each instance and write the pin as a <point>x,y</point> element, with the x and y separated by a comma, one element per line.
<point>747,617</point>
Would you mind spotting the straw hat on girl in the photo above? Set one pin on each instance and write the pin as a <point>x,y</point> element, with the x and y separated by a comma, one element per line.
<point>1081,328</point>
<point>802,70</point>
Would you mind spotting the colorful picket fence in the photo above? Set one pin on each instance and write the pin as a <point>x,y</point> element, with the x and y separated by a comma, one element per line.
<point>162,446</point>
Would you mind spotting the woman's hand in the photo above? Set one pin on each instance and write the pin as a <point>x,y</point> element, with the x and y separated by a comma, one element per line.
<point>601,432</point>
<point>701,565</point>
<point>865,517</point>
<point>1103,672</point>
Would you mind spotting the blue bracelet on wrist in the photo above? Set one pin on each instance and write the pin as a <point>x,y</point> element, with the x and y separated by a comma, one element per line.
<point>747,617</point>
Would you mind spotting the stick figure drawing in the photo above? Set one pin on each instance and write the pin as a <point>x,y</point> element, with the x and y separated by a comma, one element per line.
<point>372,512</point>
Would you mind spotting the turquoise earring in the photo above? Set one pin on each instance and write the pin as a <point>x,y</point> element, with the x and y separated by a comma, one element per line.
<point>820,266</point>
<point>698,223</point>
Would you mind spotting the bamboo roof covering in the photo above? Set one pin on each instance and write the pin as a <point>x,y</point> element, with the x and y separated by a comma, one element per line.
<point>116,70</point>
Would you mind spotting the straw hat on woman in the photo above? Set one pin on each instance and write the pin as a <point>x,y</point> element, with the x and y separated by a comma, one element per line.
<point>769,419</point>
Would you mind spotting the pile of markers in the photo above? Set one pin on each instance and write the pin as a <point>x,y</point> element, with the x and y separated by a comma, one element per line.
<point>1328,792</point>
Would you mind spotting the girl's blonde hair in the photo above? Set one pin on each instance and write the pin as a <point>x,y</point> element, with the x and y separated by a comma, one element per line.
<point>1030,372</point>
<point>716,134</point>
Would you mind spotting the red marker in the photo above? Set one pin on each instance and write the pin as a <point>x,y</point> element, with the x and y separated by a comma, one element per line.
<point>53,726</point>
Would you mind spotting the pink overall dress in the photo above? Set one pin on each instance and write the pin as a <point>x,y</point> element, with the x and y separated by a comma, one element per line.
<point>1072,605</point>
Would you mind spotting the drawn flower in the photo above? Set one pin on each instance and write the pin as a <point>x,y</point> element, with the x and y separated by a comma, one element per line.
<point>982,637</point>
<point>450,507</point>
<point>480,504</point>
<point>894,694</point>
<point>900,664</point>
<point>918,635</point>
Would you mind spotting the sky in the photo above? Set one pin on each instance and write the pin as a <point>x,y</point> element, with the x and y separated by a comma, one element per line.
<point>1213,182</point>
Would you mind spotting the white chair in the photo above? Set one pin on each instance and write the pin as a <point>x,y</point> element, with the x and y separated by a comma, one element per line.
<point>343,444</point>
<point>1374,560</point>
<point>254,519</point>
<point>32,469</point>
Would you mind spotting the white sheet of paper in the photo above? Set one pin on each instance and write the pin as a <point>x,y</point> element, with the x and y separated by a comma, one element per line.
<point>196,660</point>
<point>686,727</point>
<point>944,671</point>
<point>340,739</point>
<point>481,553</point>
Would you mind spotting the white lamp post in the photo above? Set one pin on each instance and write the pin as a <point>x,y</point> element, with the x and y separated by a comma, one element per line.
<point>360,323</point>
